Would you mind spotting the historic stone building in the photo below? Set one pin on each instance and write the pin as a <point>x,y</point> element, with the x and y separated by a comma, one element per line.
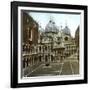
<point>69,42</point>
<point>77,37</point>
<point>29,28</point>
<point>29,39</point>
<point>77,40</point>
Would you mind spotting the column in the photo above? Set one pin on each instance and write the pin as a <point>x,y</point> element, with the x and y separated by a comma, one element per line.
<point>27,61</point>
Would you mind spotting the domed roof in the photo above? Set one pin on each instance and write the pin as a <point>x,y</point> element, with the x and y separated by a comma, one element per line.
<point>51,27</point>
<point>66,30</point>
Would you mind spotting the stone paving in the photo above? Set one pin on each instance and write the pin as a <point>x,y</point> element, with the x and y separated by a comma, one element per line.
<point>68,67</point>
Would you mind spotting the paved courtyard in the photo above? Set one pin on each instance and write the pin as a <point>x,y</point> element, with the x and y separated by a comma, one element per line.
<point>67,67</point>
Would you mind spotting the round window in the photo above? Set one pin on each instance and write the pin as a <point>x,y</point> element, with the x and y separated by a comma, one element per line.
<point>66,38</point>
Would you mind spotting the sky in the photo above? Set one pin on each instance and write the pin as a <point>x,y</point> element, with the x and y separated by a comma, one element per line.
<point>60,19</point>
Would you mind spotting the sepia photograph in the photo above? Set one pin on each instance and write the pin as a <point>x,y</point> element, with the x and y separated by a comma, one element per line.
<point>50,43</point>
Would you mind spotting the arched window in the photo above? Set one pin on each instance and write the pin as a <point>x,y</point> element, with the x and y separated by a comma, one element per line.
<point>45,48</point>
<point>23,62</point>
<point>40,58</point>
<point>51,57</point>
<point>46,59</point>
<point>39,48</point>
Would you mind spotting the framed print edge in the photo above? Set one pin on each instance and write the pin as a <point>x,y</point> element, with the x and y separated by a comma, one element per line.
<point>86,44</point>
<point>14,44</point>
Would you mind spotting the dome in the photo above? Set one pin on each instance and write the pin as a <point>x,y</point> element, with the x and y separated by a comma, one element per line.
<point>66,30</point>
<point>51,27</point>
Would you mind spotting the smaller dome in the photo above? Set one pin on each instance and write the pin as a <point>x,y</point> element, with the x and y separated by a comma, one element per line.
<point>66,30</point>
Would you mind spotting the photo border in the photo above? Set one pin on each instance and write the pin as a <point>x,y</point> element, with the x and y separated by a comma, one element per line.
<point>14,43</point>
